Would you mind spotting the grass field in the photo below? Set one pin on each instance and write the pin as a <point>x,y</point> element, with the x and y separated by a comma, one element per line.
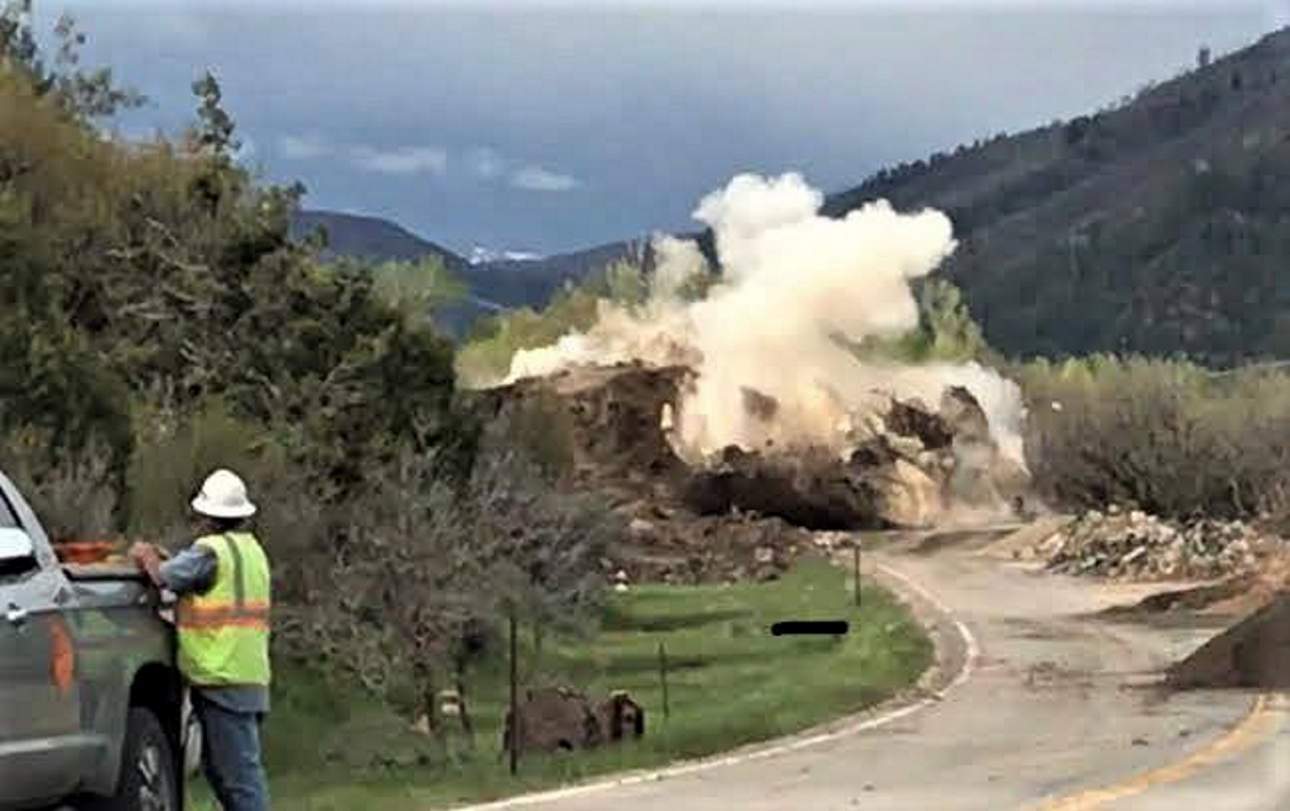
<point>730,682</point>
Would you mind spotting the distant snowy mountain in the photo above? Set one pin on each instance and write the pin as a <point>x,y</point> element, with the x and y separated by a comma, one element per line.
<point>496,280</point>
<point>479,255</point>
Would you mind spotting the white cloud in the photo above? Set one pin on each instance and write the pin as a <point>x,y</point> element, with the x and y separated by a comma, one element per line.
<point>407,160</point>
<point>483,162</point>
<point>304,147</point>
<point>535,178</point>
<point>486,162</point>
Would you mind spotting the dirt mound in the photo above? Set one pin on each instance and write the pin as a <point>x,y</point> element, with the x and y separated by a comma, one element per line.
<point>1239,595</point>
<point>1253,653</point>
<point>677,547</point>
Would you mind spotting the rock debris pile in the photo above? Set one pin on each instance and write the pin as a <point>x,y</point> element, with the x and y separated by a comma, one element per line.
<point>747,514</point>
<point>1132,545</point>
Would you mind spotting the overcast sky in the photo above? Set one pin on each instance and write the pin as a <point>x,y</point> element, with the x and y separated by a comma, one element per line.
<point>546,126</point>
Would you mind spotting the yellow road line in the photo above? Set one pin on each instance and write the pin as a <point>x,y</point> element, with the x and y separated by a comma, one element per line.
<point>1262,720</point>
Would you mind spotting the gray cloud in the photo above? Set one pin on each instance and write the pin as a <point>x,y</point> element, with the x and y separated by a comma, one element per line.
<point>514,97</point>
<point>536,178</point>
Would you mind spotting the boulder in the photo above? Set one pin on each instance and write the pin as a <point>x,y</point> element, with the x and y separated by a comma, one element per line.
<point>907,496</point>
<point>964,417</point>
<point>554,719</point>
<point>620,717</point>
<point>913,419</point>
<point>561,718</point>
<point>811,489</point>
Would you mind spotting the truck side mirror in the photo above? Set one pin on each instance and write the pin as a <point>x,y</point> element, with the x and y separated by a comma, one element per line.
<point>16,546</point>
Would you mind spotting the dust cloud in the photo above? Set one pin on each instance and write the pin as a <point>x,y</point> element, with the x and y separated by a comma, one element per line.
<point>772,343</point>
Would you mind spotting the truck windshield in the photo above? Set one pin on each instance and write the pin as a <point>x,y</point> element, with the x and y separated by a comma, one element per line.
<point>8,519</point>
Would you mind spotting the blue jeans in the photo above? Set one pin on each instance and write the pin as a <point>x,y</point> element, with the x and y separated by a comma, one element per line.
<point>231,756</point>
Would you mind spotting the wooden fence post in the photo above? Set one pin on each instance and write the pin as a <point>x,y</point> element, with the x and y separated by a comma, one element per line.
<point>855,550</point>
<point>662,677</point>
<point>516,737</point>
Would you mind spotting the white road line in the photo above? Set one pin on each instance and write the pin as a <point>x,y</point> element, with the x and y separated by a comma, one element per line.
<point>973,652</point>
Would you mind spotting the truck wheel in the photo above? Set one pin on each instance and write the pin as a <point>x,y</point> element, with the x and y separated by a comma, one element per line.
<point>148,781</point>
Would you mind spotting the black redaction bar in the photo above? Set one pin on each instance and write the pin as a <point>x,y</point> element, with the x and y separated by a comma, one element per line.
<point>810,628</point>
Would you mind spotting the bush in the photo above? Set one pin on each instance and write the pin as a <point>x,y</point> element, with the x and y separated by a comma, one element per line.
<point>72,491</point>
<point>945,332</point>
<point>174,453</point>
<point>486,359</point>
<point>426,566</point>
<point>1169,436</point>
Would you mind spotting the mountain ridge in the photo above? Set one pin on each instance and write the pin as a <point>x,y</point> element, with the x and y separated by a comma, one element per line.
<point>1159,226</point>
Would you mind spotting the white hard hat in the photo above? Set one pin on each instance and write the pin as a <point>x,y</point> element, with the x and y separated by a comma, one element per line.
<point>223,495</point>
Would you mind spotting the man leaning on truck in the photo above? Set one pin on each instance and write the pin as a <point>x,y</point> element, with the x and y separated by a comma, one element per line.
<point>222,580</point>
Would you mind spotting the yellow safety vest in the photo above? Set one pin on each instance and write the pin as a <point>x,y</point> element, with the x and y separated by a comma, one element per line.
<point>224,633</point>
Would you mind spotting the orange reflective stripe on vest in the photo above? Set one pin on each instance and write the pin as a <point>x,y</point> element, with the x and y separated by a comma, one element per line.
<point>252,615</point>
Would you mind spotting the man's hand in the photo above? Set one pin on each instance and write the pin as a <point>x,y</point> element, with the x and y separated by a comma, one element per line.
<point>146,556</point>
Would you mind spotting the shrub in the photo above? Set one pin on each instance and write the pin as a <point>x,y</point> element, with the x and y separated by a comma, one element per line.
<point>174,453</point>
<point>1169,436</point>
<point>72,491</point>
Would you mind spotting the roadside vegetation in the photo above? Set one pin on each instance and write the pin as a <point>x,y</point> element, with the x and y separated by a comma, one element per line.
<point>485,357</point>
<point>729,683</point>
<point>1171,436</point>
<point>160,322</point>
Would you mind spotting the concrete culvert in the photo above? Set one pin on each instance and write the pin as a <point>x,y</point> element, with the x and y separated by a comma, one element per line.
<point>1253,653</point>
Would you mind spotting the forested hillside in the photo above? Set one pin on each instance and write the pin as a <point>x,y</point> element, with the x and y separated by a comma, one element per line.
<point>1158,226</point>
<point>370,238</point>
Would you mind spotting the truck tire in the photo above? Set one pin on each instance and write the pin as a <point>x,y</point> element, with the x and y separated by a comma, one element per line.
<point>149,779</point>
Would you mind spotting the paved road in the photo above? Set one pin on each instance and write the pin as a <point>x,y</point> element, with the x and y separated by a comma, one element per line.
<point>1058,712</point>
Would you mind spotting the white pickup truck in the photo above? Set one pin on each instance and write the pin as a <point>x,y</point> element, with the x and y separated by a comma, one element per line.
<point>91,704</point>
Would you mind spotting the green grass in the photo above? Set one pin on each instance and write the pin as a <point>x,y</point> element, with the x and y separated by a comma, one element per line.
<point>730,683</point>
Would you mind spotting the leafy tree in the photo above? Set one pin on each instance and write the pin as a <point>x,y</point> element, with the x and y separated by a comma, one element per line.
<point>215,127</point>
<point>416,289</point>
<point>92,94</point>
<point>946,331</point>
<point>180,271</point>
